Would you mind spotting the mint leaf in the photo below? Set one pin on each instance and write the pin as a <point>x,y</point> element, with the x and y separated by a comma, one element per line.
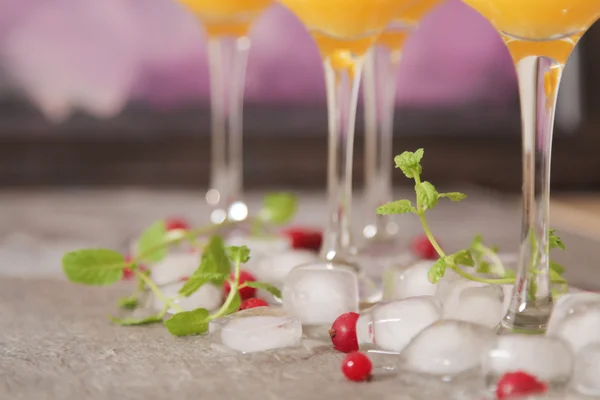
<point>555,241</point>
<point>265,286</point>
<point>454,196</point>
<point>136,321</point>
<point>278,208</point>
<point>396,207</point>
<point>437,271</point>
<point>463,257</point>
<point>484,267</point>
<point>556,267</point>
<point>555,277</point>
<point>189,323</point>
<point>149,244</point>
<point>93,266</point>
<point>509,273</point>
<point>128,303</point>
<point>196,281</point>
<point>410,163</point>
<point>238,254</point>
<point>427,196</point>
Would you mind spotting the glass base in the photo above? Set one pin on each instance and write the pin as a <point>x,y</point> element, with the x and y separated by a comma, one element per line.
<point>378,254</point>
<point>531,318</point>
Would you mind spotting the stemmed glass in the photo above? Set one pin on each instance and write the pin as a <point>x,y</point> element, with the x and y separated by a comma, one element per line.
<point>227,23</point>
<point>343,30</point>
<point>540,35</point>
<point>380,232</point>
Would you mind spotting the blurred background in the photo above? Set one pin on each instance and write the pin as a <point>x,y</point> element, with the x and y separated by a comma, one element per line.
<point>115,93</point>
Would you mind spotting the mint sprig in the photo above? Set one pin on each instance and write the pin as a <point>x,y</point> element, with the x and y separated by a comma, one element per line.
<point>483,258</point>
<point>94,266</point>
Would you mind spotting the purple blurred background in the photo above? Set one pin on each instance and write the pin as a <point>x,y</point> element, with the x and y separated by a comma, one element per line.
<point>99,55</point>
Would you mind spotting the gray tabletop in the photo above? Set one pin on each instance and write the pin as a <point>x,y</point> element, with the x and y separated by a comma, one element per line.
<point>56,341</point>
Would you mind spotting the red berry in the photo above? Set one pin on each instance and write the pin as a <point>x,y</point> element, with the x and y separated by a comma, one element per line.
<point>305,238</point>
<point>519,384</point>
<point>172,224</point>
<point>128,272</point>
<point>253,303</point>
<point>357,367</point>
<point>245,293</point>
<point>423,248</point>
<point>184,279</point>
<point>343,333</point>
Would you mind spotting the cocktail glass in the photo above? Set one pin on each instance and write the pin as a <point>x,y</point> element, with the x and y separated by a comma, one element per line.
<point>540,35</point>
<point>381,243</point>
<point>344,31</point>
<point>227,23</point>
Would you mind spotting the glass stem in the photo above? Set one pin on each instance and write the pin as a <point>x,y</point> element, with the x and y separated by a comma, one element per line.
<point>379,91</point>
<point>531,305</point>
<point>227,65</point>
<point>342,99</point>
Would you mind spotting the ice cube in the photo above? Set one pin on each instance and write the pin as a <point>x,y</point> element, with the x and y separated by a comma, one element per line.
<point>392,325</point>
<point>569,304</point>
<point>580,328</point>
<point>403,283</point>
<point>257,329</point>
<point>447,348</point>
<point>471,301</point>
<point>174,267</point>
<point>273,268</point>
<point>260,247</point>
<point>549,359</point>
<point>586,375</point>
<point>318,295</point>
<point>207,296</point>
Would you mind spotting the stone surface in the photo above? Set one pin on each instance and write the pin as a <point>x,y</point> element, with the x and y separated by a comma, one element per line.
<point>56,342</point>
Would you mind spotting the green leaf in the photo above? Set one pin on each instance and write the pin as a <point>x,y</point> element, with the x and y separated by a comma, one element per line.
<point>149,244</point>
<point>396,207</point>
<point>410,163</point>
<point>279,208</point>
<point>238,254</point>
<point>136,321</point>
<point>555,277</point>
<point>128,303</point>
<point>454,196</point>
<point>463,257</point>
<point>265,286</point>
<point>437,271</point>
<point>484,267</point>
<point>556,267</point>
<point>427,196</point>
<point>234,305</point>
<point>196,281</point>
<point>555,241</point>
<point>189,323</point>
<point>509,273</point>
<point>93,266</point>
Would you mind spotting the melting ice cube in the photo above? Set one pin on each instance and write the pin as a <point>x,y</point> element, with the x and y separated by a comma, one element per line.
<point>471,301</point>
<point>586,376</point>
<point>579,329</point>
<point>549,359</point>
<point>392,325</point>
<point>257,329</point>
<point>318,295</point>
<point>174,267</point>
<point>410,282</point>
<point>208,296</point>
<point>273,268</point>
<point>447,348</point>
<point>569,304</point>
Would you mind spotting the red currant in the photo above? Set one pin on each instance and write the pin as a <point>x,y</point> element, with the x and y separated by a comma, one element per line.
<point>305,238</point>
<point>343,333</point>
<point>245,293</point>
<point>172,224</point>
<point>128,273</point>
<point>357,367</point>
<point>519,384</point>
<point>253,303</point>
<point>422,247</point>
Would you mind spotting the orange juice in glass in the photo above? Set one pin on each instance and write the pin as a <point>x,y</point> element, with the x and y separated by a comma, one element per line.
<point>344,31</point>
<point>227,23</point>
<point>540,35</point>
<point>381,247</point>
